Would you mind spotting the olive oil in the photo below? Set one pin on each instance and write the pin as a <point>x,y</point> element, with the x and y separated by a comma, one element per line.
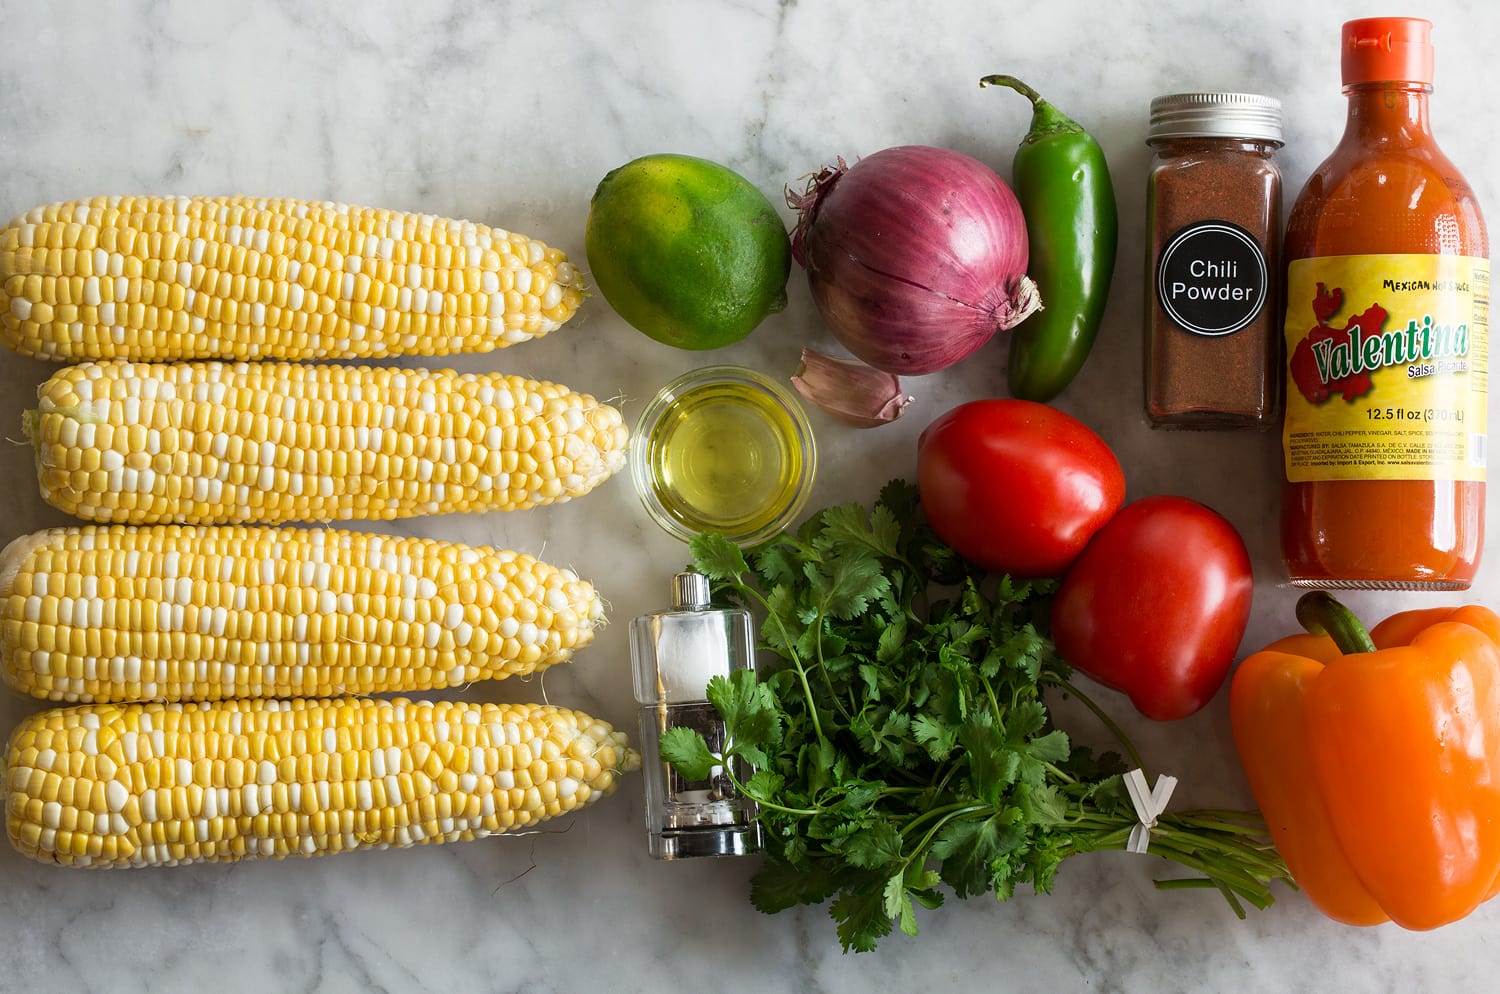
<point>729,452</point>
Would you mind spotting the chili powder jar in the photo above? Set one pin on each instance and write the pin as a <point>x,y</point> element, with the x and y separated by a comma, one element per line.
<point>1386,340</point>
<point>1213,336</point>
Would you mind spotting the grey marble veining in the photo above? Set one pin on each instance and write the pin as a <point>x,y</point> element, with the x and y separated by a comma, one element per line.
<point>509,113</point>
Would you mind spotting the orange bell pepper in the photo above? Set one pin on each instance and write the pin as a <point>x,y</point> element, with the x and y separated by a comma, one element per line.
<point>1375,759</point>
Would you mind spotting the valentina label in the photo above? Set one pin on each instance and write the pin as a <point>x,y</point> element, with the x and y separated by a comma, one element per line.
<point>1339,359</point>
<point>1387,368</point>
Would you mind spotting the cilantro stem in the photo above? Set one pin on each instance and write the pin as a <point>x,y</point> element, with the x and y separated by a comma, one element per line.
<point>943,816</point>
<point>949,772</point>
<point>773,806</point>
<point>812,704</point>
<point>823,669</point>
<point>1236,866</point>
<point>989,691</point>
<point>791,650</point>
<point>947,814</point>
<point>1062,775</point>
<point>1216,821</point>
<point>1114,729</point>
<point>727,765</point>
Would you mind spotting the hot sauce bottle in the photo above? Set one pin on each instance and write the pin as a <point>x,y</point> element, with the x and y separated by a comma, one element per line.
<point>1386,316</point>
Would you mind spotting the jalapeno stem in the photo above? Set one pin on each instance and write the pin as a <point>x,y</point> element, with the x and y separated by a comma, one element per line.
<point>1321,614</point>
<point>1014,84</point>
<point>1046,119</point>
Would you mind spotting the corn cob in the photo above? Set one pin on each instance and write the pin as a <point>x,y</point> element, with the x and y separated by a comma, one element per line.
<point>181,613</point>
<point>113,786</point>
<point>168,278</point>
<point>268,443</point>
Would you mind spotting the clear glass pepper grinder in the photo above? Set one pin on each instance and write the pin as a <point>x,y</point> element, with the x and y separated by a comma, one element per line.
<point>675,653</point>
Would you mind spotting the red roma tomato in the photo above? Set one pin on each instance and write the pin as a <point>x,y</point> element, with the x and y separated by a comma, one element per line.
<point>1156,605</point>
<point>1016,486</point>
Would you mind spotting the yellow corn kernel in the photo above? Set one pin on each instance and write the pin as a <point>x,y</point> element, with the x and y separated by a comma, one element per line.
<point>374,808</point>
<point>172,278</point>
<point>269,443</point>
<point>81,610</point>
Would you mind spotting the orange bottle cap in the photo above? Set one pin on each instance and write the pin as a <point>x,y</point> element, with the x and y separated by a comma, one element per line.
<point>1387,49</point>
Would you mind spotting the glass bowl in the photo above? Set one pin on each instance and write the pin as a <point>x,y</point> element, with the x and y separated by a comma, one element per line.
<point>724,449</point>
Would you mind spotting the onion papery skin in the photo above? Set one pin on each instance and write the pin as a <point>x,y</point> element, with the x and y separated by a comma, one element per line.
<point>915,256</point>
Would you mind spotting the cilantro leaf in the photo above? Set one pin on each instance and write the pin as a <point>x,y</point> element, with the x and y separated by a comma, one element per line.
<point>861,917</point>
<point>685,749</point>
<point>936,736</point>
<point>901,499</point>
<point>857,796</point>
<point>992,764</point>
<point>748,708</point>
<point>779,562</point>
<point>973,849</point>
<point>879,530</point>
<point>882,732</point>
<point>818,765</point>
<point>875,847</point>
<point>1042,804</point>
<point>1051,748</point>
<point>779,885</point>
<point>716,557</point>
<point>781,627</point>
<point>1024,649</point>
<point>898,904</point>
<point>890,641</point>
<point>1025,720</point>
<point>765,785</point>
<point>844,583</point>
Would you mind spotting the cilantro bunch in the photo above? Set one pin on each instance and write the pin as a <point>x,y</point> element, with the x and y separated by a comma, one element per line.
<point>900,743</point>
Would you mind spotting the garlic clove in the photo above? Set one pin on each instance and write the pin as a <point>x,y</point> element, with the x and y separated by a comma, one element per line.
<point>849,391</point>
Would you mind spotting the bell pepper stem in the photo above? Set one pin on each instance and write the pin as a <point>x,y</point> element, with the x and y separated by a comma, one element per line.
<point>1321,614</point>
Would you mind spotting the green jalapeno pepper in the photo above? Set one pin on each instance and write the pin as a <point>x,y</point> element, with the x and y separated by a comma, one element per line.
<point>1062,181</point>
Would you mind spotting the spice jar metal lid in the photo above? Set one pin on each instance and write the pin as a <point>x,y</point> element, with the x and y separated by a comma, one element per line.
<point>1216,115</point>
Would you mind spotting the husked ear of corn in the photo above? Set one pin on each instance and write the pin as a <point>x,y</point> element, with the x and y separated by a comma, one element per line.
<point>270,443</point>
<point>182,613</point>
<point>171,278</point>
<point>113,786</point>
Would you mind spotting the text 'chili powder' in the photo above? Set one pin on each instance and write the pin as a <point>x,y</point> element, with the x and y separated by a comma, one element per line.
<point>1213,293</point>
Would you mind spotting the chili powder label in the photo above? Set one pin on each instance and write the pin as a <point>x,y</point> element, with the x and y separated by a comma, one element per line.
<point>1212,278</point>
<point>1387,368</point>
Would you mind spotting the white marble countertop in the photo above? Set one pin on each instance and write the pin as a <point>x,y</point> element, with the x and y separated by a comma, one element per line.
<point>509,113</point>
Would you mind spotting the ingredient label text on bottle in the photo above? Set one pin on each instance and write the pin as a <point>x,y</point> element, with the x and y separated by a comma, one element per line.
<point>1388,364</point>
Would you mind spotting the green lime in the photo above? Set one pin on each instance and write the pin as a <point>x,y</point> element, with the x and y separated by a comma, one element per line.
<point>687,251</point>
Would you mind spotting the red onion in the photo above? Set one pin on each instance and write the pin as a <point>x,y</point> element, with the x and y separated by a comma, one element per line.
<point>915,255</point>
